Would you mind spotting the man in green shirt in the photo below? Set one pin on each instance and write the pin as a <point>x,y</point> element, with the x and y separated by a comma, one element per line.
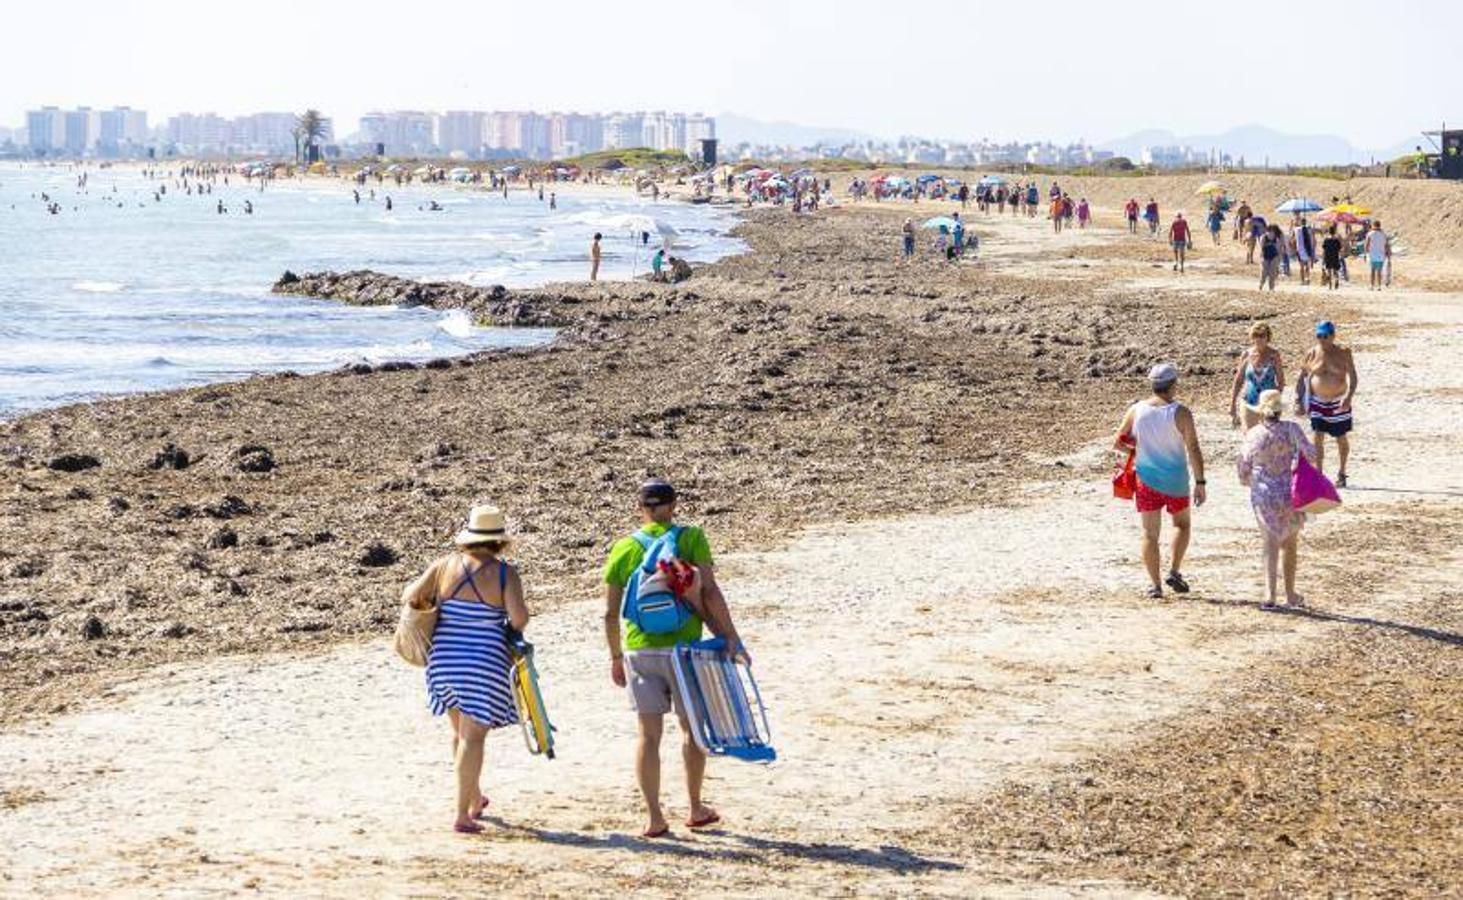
<point>642,662</point>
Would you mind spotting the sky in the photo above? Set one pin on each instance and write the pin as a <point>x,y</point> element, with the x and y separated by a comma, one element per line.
<point>1374,73</point>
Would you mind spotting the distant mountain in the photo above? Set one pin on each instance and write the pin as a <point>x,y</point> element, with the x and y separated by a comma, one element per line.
<point>734,129</point>
<point>1256,143</point>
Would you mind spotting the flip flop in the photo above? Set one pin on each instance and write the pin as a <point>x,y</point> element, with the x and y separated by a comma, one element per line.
<point>653,833</point>
<point>470,828</point>
<point>703,822</point>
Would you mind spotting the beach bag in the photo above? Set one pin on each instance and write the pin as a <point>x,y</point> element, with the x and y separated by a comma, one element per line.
<point>1311,491</point>
<point>414,627</point>
<point>658,595</point>
<point>1125,477</point>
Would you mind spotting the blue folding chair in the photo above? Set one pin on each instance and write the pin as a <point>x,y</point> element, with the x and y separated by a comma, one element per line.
<point>722,702</point>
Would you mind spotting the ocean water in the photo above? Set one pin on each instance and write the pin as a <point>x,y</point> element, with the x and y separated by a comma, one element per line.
<point>119,293</point>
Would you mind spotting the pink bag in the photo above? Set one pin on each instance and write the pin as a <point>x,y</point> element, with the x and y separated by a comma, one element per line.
<point>1311,491</point>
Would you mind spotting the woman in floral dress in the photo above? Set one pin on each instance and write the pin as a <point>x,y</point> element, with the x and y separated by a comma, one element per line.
<point>1266,465</point>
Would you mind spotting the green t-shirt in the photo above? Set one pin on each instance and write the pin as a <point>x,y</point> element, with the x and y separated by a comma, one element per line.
<point>627,553</point>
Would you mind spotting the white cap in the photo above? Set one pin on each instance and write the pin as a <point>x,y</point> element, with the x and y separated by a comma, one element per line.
<point>1163,375</point>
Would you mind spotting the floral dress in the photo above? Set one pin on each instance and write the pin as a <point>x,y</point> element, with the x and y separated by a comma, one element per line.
<point>1266,464</point>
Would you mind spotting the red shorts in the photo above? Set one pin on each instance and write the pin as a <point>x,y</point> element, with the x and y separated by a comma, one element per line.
<point>1149,500</point>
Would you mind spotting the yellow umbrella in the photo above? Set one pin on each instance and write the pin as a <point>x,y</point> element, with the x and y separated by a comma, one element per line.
<point>1210,187</point>
<point>1353,208</point>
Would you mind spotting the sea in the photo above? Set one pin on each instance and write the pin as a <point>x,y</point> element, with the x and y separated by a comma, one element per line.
<point>125,289</point>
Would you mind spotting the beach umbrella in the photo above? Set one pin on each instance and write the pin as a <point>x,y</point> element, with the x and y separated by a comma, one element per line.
<point>1351,208</point>
<point>926,179</point>
<point>638,222</point>
<point>991,180</point>
<point>1299,205</point>
<point>801,173</point>
<point>939,222</point>
<point>1210,187</point>
<point>1340,218</point>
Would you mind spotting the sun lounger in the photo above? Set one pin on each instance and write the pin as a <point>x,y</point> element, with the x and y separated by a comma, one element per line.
<point>722,702</point>
<point>538,731</point>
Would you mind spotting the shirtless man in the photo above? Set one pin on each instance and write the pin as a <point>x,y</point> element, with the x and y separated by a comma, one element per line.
<point>1328,379</point>
<point>594,258</point>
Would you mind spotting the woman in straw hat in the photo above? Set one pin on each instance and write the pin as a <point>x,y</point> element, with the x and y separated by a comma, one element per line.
<point>1266,465</point>
<point>467,667</point>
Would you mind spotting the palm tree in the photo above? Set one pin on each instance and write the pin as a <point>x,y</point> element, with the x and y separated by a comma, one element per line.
<point>310,127</point>
<point>296,133</point>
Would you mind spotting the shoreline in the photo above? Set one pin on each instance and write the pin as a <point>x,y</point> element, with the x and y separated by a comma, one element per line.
<point>815,377</point>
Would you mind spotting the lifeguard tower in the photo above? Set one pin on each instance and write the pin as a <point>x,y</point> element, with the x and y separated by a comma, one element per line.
<point>1448,162</point>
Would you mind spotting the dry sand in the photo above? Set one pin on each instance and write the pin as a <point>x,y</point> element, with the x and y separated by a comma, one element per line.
<point>967,695</point>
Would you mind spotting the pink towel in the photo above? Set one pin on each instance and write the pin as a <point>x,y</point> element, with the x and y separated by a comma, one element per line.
<point>1311,491</point>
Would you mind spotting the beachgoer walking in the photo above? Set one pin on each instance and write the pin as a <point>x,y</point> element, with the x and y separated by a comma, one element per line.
<point>1215,222</point>
<point>1305,248</point>
<point>1033,199</point>
<point>1324,390</point>
<point>1254,230</point>
<point>958,235</point>
<point>476,594</point>
<point>1084,213</point>
<point>1270,253</point>
<point>1150,213</point>
<point>1057,214</point>
<point>1167,445</point>
<point>908,232</point>
<point>1378,250</point>
<point>595,254</point>
<point>1242,219</point>
<point>1331,259</point>
<point>1266,465</point>
<point>641,661</point>
<point>1130,212</point>
<point>1181,239</point>
<point>1259,370</point>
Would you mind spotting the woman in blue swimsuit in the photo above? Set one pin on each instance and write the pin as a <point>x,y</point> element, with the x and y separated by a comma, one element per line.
<point>1259,369</point>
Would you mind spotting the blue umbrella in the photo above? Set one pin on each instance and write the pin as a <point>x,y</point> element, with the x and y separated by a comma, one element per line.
<point>926,179</point>
<point>944,222</point>
<point>992,180</point>
<point>1299,205</point>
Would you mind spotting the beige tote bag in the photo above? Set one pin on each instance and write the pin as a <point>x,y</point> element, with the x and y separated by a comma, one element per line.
<point>419,609</point>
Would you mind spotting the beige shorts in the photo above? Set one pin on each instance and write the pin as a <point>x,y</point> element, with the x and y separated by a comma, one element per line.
<point>650,678</point>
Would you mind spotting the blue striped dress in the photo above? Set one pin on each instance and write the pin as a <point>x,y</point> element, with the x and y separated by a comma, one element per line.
<point>468,665</point>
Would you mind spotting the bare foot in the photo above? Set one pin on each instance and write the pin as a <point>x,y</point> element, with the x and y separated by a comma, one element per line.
<point>479,807</point>
<point>1296,601</point>
<point>702,816</point>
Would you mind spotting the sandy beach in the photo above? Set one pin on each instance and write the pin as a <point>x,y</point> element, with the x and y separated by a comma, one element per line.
<point>903,468</point>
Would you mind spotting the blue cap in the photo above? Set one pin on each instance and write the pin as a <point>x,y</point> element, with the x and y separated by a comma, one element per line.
<point>1325,329</point>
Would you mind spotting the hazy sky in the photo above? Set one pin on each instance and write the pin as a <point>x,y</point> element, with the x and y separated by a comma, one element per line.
<point>1373,72</point>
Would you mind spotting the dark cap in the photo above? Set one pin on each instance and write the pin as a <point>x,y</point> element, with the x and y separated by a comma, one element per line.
<point>657,490</point>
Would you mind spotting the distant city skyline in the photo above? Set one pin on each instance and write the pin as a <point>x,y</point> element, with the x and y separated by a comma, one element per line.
<point>964,70</point>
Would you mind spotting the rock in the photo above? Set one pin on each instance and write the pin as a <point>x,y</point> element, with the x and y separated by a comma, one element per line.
<point>171,457</point>
<point>174,630</point>
<point>377,555</point>
<point>27,568</point>
<point>118,504</point>
<point>285,280</point>
<point>93,629</point>
<point>227,508</point>
<point>78,493</point>
<point>180,512</point>
<point>73,462</point>
<point>223,539</point>
<point>254,458</point>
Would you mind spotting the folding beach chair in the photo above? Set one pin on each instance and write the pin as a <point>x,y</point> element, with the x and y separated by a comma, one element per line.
<point>722,702</point>
<point>533,716</point>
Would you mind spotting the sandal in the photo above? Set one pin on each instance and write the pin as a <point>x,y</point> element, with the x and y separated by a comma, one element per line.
<point>467,828</point>
<point>702,822</point>
<point>653,833</point>
<point>1177,582</point>
<point>1155,593</point>
<point>1341,480</point>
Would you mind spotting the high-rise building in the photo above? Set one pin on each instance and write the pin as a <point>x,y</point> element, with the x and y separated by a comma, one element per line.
<point>46,130</point>
<point>571,134</point>
<point>698,128</point>
<point>121,129</point>
<point>461,131</point>
<point>624,130</point>
<point>402,132</point>
<point>80,130</point>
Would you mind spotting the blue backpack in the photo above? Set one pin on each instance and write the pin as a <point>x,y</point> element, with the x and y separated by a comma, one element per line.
<point>649,603</point>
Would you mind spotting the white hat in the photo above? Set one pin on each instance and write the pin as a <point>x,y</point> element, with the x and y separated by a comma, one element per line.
<point>1163,375</point>
<point>484,524</point>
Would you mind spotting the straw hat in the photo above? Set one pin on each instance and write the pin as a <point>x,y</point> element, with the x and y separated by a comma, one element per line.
<point>1268,405</point>
<point>484,524</point>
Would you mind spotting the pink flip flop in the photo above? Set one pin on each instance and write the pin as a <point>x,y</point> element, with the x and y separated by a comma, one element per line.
<point>470,828</point>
